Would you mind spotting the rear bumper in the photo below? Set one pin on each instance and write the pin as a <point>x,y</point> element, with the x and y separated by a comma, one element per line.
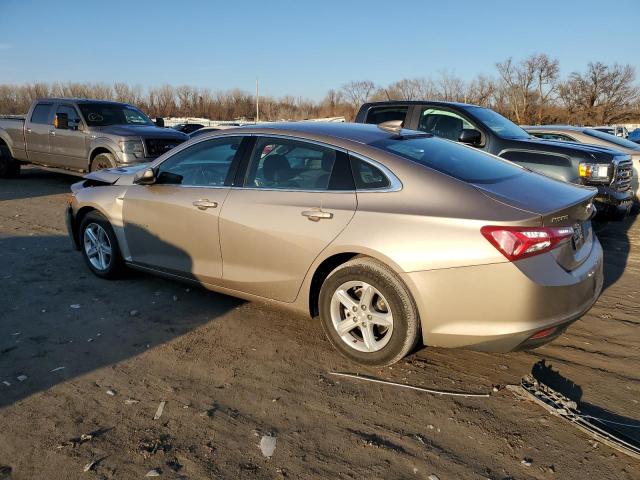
<point>498,307</point>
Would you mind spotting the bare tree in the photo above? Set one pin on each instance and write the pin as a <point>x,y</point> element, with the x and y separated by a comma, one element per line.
<point>357,93</point>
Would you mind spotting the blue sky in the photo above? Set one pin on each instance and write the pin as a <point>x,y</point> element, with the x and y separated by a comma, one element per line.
<point>301,48</point>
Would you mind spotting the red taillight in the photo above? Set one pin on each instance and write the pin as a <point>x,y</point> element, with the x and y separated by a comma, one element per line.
<point>521,242</point>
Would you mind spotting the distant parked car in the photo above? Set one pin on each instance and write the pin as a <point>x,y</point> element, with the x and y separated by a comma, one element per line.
<point>187,127</point>
<point>615,131</point>
<point>608,170</point>
<point>389,236</point>
<point>595,137</point>
<point>81,135</point>
<point>634,136</point>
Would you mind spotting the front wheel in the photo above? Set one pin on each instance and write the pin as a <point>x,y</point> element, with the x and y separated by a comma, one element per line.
<point>99,246</point>
<point>102,161</point>
<point>368,314</point>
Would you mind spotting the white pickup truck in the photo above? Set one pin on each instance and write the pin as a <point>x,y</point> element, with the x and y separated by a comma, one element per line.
<point>81,135</point>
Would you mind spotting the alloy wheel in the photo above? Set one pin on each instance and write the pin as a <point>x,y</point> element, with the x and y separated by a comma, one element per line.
<point>97,246</point>
<point>361,316</point>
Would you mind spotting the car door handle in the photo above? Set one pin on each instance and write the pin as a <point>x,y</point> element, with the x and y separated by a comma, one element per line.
<point>315,215</point>
<point>203,204</point>
<point>52,133</point>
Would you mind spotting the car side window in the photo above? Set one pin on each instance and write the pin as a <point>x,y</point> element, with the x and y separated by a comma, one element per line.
<point>367,176</point>
<point>378,115</point>
<point>553,136</point>
<point>443,123</point>
<point>41,113</point>
<point>205,164</point>
<point>72,116</point>
<point>290,165</point>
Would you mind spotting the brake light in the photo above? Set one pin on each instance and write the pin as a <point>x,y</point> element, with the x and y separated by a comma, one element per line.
<point>521,242</point>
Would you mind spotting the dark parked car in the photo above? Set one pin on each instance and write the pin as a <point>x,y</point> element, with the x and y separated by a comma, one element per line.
<point>608,170</point>
<point>187,127</point>
<point>635,136</point>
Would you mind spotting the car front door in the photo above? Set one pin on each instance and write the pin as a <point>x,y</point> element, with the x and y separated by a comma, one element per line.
<point>38,133</point>
<point>445,123</point>
<point>172,225</point>
<point>68,142</point>
<point>296,197</point>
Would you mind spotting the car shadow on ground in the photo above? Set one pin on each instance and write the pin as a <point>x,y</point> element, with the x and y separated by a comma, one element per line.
<point>611,421</point>
<point>36,182</point>
<point>614,237</point>
<point>58,321</point>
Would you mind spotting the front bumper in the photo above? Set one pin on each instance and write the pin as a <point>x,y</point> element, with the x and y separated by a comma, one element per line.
<point>498,307</point>
<point>612,202</point>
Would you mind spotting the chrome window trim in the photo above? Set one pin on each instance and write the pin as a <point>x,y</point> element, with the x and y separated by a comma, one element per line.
<point>395,185</point>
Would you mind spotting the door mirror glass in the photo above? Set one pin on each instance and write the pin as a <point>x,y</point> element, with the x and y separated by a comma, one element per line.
<point>61,121</point>
<point>470,136</point>
<point>145,177</point>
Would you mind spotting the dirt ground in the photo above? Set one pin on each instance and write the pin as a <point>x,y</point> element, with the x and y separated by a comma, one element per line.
<point>232,372</point>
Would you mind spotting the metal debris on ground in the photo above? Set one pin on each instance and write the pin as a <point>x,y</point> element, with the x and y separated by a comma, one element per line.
<point>159,410</point>
<point>153,473</point>
<point>75,306</point>
<point>111,392</point>
<point>57,369</point>
<point>411,387</point>
<point>559,405</point>
<point>22,378</point>
<point>89,466</point>
<point>268,445</point>
<point>131,401</point>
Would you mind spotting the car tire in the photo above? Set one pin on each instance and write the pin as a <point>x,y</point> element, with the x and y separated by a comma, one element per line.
<point>9,166</point>
<point>386,295</point>
<point>95,235</point>
<point>102,161</point>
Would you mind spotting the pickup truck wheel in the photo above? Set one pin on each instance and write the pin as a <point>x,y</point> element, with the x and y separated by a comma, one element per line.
<point>9,166</point>
<point>100,246</point>
<point>368,314</point>
<point>102,161</point>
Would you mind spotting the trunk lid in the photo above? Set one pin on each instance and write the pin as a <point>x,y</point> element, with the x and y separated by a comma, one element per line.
<point>558,204</point>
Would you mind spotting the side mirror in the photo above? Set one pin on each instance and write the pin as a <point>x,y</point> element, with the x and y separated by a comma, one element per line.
<point>159,122</point>
<point>470,136</point>
<point>145,177</point>
<point>61,121</point>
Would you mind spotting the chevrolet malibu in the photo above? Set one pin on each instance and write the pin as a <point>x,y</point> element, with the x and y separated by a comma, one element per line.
<point>390,237</point>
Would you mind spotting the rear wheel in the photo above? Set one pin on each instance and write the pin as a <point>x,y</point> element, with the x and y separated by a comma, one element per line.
<point>368,314</point>
<point>102,161</point>
<point>99,246</point>
<point>9,166</point>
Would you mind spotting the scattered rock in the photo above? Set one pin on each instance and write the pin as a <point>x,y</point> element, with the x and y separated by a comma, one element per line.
<point>159,410</point>
<point>134,313</point>
<point>433,476</point>
<point>526,462</point>
<point>131,401</point>
<point>22,378</point>
<point>89,466</point>
<point>156,472</point>
<point>7,384</point>
<point>75,306</point>
<point>111,392</point>
<point>267,445</point>
<point>175,298</point>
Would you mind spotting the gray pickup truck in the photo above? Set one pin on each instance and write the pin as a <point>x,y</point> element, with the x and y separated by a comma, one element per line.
<point>80,135</point>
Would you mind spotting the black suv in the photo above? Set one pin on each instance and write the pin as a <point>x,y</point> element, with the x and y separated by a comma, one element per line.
<point>608,170</point>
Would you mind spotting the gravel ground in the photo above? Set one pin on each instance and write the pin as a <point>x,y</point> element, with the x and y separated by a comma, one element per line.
<point>84,356</point>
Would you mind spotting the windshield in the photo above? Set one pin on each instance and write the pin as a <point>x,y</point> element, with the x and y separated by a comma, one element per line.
<point>103,114</point>
<point>611,138</point>
<point>464,163</point>
<point>498,124</point>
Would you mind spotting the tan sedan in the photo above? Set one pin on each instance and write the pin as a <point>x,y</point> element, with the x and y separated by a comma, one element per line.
<point>391,237</point>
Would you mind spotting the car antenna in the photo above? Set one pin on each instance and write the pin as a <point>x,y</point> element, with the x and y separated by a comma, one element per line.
<point>391,126</point>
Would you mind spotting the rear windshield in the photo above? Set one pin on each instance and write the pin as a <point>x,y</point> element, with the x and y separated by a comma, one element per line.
<point>592,132</point>
<point>463,163</point>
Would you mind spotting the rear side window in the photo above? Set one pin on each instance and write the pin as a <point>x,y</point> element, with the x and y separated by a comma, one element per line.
<point>464,163</point>
<point>378,115</point>
<point>366,176</point>
<point>41,113</point>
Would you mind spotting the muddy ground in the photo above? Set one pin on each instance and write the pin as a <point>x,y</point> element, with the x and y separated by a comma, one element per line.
<point>231,372</point>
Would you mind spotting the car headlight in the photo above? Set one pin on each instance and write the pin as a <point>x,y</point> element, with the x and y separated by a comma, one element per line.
<point>595,172</point>
<point>134,147</point>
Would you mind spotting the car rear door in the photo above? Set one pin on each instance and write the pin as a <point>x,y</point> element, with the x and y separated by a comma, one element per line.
<point>294,198</point>
<point>38,132</point>
<point>172,225</point>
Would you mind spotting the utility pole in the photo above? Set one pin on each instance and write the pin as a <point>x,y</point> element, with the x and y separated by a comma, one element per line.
<point>257,102</point>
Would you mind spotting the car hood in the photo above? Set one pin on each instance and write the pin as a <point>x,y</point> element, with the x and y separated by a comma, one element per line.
<point>568,147</point>
<point>146,131</point>
<point>122,175</point>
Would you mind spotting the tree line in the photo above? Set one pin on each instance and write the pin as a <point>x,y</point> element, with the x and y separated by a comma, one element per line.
<point>529,91</point>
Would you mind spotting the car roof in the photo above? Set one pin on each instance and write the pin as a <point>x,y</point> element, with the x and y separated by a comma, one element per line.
<point>363,133</point>
<point>566,128</point>
<point>79,100</point>
<point>421,102</point>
